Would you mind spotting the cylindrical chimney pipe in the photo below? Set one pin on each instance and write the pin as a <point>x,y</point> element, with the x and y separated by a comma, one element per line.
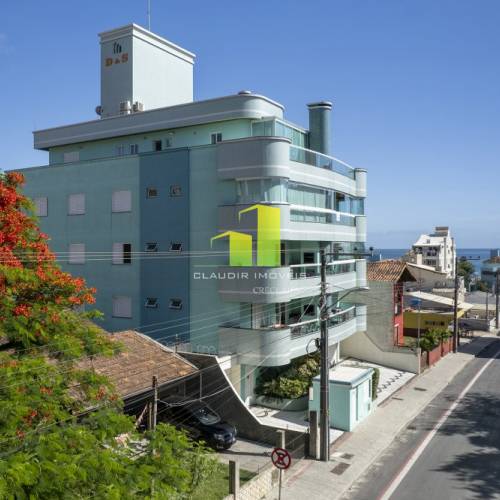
<point>319,126</point>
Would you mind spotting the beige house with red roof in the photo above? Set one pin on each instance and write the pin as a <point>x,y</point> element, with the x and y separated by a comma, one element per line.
<point>383,340</point>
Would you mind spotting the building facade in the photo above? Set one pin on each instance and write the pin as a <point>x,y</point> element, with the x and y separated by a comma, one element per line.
<point>383,341</point>
<point>490,268</point>
<point>436,250</point>
<point>156,202</point>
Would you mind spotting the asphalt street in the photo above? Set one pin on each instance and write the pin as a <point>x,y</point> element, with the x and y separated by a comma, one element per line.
<point>458,460</point>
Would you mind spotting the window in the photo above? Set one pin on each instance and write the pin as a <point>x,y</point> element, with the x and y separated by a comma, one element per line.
<point>122,307</point>
<point>151,247</point>
<point>175,304</point>
<point>151,303</point>
<point>71,156</point>
<point>76,253</point>
<point>76,204</point>
<point>134,149</point>
<point>157,146</point>
<point>40,206</point>
<point>175,190</point>
<point>121,201</point>
<point>122,253</point>
<point>151,192</point>
<point>175,247</point>
<point>216,137</point>
<point>168,142</point>
<point>120,150</point>
<point>257,190</point>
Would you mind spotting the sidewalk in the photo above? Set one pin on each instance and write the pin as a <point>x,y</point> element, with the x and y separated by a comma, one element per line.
<point>353,455</point>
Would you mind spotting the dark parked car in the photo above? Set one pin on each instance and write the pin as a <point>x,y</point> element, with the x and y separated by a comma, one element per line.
<point>199,420</point>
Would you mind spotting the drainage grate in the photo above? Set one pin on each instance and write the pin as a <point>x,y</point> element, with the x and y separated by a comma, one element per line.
<point>419,389</point>
<point>340,468</point>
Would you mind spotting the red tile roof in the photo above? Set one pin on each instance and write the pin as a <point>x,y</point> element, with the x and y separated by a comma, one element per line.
<point>131,371</point>
<point>388,270</point>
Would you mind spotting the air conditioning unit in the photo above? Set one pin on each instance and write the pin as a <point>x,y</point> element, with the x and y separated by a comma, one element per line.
<point>138,106</point>
<point>125,108</point>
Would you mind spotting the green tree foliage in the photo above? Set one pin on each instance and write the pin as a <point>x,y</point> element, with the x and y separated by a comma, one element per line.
<point>291,381</point>
<point>433,337</point>
<point>466,269</point>
<point>51,447</point>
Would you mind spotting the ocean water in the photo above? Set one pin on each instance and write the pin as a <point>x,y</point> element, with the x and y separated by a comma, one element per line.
<point>477,255</point>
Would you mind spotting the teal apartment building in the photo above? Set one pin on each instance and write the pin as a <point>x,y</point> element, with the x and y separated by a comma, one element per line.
<point>132,199</point>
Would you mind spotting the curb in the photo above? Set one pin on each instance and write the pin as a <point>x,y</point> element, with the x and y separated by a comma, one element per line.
<point>411,419</point>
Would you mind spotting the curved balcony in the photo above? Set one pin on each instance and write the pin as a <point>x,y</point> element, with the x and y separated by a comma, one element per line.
<point>268,156</point>
<point>341,227</point>
<point>278,346</point>
<point>258,285</point>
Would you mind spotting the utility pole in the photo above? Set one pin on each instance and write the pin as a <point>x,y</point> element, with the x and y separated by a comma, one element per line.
<point>456,340</point>
<point>149,15</point>
<point>497,286</point>
<point>487,304</point>
<point>324,412</point>
<point>456,335</point>
<point>324,421</point>
<point>154,405</point>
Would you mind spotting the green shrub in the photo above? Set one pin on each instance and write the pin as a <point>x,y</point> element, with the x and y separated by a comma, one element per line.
<point>291,381</point>
<point>375,381</point>
<point>432,338</point>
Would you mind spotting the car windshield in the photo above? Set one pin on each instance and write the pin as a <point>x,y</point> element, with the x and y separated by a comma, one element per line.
<point>206,416</point>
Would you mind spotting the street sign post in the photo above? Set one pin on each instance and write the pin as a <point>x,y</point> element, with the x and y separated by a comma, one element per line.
<point>281,459</point>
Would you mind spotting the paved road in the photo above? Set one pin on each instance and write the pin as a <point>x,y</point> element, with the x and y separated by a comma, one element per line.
<point>459,460</point>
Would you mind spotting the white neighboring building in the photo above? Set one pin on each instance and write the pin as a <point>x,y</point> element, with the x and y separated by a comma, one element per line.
<point>436,250</point>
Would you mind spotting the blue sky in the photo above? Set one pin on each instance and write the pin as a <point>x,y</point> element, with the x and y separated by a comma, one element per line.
<point>415,86</point>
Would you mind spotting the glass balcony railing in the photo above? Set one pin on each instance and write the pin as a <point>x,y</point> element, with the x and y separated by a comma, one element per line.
<point>303,215</point>
<point>309,157</point>
<point>301,271</point>
<point>339,315</point>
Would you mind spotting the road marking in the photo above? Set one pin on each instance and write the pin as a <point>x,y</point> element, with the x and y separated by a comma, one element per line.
<point>389,491</point>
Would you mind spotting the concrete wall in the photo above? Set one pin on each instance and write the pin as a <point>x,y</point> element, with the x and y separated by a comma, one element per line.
<point>259,486</point>
<point>220,394</point>
<point>379,300</point>
<point>361,346</point>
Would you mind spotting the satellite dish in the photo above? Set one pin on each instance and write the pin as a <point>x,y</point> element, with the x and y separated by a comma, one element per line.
<point>98,110</point>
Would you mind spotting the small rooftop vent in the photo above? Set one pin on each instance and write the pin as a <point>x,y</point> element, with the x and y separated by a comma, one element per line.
<point>244,92</point>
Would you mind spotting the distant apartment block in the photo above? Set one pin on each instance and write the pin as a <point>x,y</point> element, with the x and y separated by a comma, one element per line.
<point>436,250</point>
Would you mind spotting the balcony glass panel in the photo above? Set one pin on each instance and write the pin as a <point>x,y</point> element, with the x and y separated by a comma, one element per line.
<point>339,315</point>
<point>261,190</point>
<point>322,217</point>
<point>313,270</point>
<point>309,157</point>
<point>278,128</point>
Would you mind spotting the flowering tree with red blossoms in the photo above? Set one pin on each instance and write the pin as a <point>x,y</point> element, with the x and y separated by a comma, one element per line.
<point>51,446</point>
